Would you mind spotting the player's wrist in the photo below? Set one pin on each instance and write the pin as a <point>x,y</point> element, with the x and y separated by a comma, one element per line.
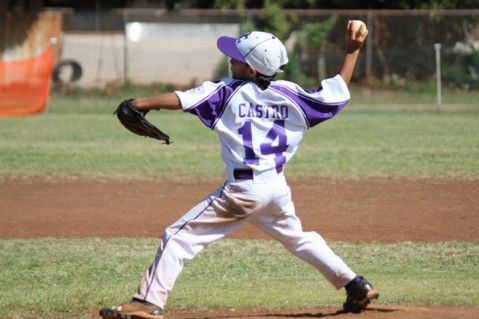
<point>353,50</point>
<point>139,104</point>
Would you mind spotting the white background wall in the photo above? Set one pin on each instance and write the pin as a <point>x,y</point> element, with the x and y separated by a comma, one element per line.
<point>149,53</point>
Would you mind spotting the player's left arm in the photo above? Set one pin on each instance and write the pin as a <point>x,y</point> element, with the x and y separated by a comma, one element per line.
<point>356,34</point>
<point>166,101</point>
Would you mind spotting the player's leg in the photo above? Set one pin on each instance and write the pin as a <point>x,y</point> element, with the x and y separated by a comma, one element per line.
<point>286,228</point>
<point>281,222</point>
<point>205,223</point>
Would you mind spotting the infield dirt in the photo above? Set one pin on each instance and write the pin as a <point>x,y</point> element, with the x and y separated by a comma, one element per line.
<point>362,210</point>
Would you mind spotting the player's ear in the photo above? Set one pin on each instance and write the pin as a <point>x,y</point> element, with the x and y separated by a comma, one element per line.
<point>252,71</point>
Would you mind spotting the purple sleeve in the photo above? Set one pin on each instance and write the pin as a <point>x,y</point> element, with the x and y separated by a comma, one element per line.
<point>207,101</point>
<point>321,104</point>
<point>208,110</point>
<point>318,112</point>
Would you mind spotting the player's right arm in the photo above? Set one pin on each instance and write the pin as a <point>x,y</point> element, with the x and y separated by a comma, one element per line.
<point>356,33</point>
<point>167,101</point>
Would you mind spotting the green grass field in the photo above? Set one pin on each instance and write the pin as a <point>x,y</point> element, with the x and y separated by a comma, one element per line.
<point>79,137</point>
<point>61,278</point>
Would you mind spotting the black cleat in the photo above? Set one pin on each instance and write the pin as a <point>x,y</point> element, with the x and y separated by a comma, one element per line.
<point>359,295</point>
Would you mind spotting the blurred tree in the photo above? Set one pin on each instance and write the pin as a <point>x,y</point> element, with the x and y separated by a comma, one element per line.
<point>314,35</point>
<point>272,19</point>
<point>230,4</point>
<point>379,4</point>
<point>439,4</point>
<point>84,4</point>
<point>248,4</point>
<point>313,41</point>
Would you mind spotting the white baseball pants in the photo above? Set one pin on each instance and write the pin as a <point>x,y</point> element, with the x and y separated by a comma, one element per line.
<point>265,204</point>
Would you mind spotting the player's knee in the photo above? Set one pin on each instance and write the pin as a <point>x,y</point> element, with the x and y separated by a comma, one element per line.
<point>303,239</point>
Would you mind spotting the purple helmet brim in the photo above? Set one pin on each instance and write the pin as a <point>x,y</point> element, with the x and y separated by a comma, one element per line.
<point>227,45</point>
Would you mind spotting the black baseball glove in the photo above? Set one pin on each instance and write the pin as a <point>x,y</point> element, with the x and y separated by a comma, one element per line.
<point>134,120</point>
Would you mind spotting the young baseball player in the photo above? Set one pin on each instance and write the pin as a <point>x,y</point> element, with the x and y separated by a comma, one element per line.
<point>260,122</point>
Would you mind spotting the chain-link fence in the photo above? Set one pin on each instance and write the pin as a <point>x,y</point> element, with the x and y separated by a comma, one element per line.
<point>401,46</point>
<point>150,46</point>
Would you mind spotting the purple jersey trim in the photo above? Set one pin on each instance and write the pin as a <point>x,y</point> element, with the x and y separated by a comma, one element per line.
<point>209,109</point>
<point>314,110</point>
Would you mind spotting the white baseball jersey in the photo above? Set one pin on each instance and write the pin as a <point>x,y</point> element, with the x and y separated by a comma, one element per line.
<point>261,130</point>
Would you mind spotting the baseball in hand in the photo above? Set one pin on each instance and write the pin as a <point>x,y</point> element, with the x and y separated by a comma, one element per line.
<point>359,28</point>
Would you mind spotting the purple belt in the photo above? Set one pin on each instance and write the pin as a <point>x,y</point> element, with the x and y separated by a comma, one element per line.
<point>247,173</point>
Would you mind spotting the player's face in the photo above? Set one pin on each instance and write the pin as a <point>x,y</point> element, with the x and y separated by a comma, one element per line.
<point>242,71</point>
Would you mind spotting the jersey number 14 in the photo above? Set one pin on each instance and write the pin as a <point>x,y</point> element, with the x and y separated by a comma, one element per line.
<point>267,146</point>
